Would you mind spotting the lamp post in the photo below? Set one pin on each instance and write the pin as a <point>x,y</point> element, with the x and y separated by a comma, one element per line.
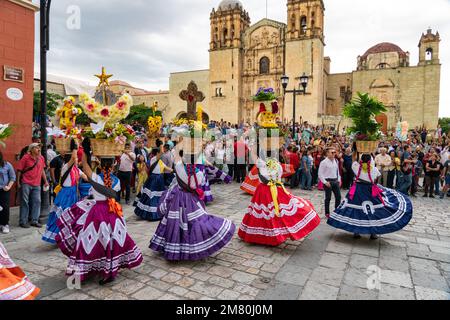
<point>45,46</point>
<point>304,79</point>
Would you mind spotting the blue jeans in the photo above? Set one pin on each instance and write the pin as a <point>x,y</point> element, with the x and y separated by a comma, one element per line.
<point>30,198</point>
<point>306,179</point>
<point>404,182</point>
<point>437,186</point>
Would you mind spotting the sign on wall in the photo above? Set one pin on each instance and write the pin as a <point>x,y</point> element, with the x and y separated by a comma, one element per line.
<point>13,74</point>
<point>14,94</point>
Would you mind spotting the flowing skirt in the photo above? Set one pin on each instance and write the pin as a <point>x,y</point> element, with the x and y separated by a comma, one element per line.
<point>366,214</point>
<point>297,218</point>
<point>85,190</point>
<point>187,231</point>
<point>147,204</point>
<point>96,241</point>
<point>14,284</point>
<point>65,199</point>
<point>206,187</point>
<point>252,182</point>
<point>215,174</point>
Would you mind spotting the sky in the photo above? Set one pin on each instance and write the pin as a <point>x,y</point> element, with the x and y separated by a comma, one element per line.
<point>143,41</point>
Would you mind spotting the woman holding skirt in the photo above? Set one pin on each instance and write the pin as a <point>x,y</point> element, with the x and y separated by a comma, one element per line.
<point>93,233</point>
<point>274,215</point>
<point>68,194</point>
<point>147,204</point>
<point>187,231</point>
<point>371,209</point>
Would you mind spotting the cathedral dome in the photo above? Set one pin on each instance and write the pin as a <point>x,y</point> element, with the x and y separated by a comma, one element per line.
<point>225,5</point>
<point>384,47</point>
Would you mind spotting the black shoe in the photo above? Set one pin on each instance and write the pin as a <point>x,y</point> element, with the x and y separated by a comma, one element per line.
<point>432,196</point>
<point>36,225</point>
<point>25,226</point>
<point>373,237</point>
<point>105,281</point>
<point>356,236</point>
<point>425,196</point>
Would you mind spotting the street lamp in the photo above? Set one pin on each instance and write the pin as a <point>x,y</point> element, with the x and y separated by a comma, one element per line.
<point>304,79</point>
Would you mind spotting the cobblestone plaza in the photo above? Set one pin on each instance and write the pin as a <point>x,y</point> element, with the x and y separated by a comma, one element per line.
<point>413,264</point>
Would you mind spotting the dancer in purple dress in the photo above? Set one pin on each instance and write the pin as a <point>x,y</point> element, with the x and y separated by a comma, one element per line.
<point>93,233</point>
<point>187,231</point>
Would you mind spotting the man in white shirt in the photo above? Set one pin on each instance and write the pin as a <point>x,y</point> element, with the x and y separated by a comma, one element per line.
<point>331,179</point>
<point>125,169</point>
<point>383,161</point>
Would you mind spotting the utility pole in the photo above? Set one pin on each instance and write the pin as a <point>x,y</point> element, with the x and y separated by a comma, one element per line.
<point>45,47</point>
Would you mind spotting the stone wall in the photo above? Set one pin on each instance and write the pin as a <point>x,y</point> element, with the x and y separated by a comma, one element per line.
<point>179,82</point>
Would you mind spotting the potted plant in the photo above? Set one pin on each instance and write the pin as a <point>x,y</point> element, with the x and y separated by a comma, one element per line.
<point>362,110</point>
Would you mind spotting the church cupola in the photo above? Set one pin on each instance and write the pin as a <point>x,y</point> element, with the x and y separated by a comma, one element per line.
<point>228,23</point>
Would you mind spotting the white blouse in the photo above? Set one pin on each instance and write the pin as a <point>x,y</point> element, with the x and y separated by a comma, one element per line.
<point>99,180</point>
<point>274,174</point>
<point>374,172</point>
<point>183,175</point>
<point>68,182</point>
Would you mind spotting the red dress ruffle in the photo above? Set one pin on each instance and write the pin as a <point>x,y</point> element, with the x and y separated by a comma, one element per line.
<point>261,225</point>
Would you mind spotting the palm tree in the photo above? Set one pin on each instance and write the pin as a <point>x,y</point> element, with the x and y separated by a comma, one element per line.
<point>362,110</point>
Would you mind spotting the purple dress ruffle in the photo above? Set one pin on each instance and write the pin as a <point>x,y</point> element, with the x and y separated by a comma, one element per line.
<point>96,241</point>
<point>187,231</point>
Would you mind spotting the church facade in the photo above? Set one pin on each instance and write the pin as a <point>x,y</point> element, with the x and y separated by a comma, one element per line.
<point>244,57</point>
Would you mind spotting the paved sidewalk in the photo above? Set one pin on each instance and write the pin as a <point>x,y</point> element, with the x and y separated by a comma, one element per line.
<point>411,264</point>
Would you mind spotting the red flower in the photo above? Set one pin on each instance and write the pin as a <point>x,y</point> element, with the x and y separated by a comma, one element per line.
<point>121,105</point>
<point>90,107</point>
<point>262,107</point>
<point>275,107</point>
<point>105,112</point>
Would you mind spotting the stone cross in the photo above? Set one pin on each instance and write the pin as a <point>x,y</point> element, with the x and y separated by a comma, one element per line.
<point>192,96</point>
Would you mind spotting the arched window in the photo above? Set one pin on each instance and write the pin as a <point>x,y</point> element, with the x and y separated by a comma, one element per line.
<point>429,54</point>
<point>293,22</point>
<point>303,24</point>
<point>249,64</point>
<point>264,65</point>
<point>232,31</point>
<point>225,34</point>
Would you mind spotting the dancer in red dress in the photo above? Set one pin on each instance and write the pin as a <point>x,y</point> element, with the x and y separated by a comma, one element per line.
<point>274,215</point>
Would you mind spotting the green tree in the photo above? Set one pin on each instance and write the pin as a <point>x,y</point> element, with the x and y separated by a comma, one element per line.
<point>139,113</point>
<point>53,101</point>
<point>362,110</point>
<point>445,124</point>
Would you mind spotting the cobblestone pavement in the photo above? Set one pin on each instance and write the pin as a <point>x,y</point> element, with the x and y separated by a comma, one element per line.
<point>411,264</point>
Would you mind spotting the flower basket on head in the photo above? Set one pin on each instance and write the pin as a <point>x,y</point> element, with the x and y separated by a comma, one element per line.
<point>367,146</point>
<point>62,145</point>
<point>106,148</point>
<point>363,111</point>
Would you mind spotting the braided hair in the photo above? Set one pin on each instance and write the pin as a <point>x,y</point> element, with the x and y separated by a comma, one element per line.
<point>106,165</point>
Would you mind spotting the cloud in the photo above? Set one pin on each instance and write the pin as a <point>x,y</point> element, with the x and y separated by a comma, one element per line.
<point>143,41</point>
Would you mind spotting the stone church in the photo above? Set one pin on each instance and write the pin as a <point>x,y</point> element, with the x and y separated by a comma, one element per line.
<point>244,57</point>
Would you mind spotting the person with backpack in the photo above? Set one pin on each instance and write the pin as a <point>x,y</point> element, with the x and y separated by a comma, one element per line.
<point>30,174</point>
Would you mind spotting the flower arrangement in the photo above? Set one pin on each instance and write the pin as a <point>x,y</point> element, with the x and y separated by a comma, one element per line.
<point>118,133</point>
<point>362,111</point>
<point>110,115</point>
<point>154,122</point>
<point>5,132</point>
<point>68,113</point>
<point>265,94</point>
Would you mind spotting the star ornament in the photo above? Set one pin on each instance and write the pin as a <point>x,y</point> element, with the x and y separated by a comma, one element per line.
<point>104,78</point>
